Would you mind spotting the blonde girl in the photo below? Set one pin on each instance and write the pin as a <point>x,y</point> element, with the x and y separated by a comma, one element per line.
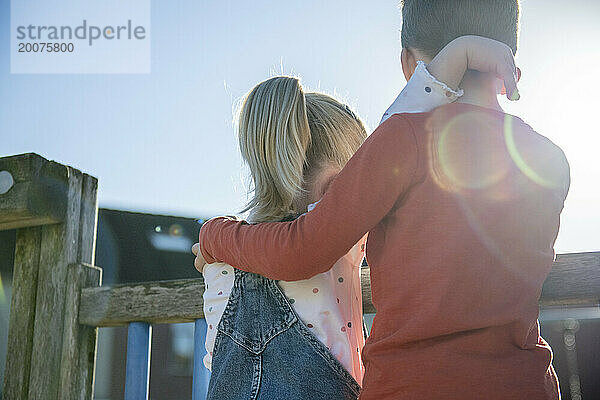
<point>288,340</point>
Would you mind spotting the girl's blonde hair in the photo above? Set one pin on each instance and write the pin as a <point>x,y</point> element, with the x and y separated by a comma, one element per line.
<point>284,135</point>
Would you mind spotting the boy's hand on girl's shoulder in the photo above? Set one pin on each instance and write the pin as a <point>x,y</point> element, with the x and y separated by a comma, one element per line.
<point>199,261</point>
<point>480,54</point>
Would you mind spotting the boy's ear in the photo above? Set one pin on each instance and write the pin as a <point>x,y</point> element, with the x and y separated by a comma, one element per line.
<point>409,62</point>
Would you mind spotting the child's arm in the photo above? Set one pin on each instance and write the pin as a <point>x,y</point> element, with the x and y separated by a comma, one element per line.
<point>436,84</point>
<point>479,54</point>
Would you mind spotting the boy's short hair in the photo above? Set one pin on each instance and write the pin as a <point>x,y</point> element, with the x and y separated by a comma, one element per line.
<point>429,25</point>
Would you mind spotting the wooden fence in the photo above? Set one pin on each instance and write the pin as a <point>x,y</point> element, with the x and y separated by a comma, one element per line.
<point>58,302</point>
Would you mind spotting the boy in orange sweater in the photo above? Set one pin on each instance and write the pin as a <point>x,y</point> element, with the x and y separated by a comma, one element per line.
<point>462,206</point>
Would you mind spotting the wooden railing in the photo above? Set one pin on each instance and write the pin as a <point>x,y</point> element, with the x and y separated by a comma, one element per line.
<point>574,280</point>
<point>57,302</point>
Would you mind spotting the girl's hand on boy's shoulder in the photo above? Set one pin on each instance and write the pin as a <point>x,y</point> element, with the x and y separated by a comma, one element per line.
<point>492,56</point>
<point>480,54</point>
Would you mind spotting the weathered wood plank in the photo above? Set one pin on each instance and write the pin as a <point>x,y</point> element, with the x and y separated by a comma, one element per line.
<point>22,313</point>
<point>38,194</point>
<point>155,302</point>
<point>79,341</point>
<point>59,249</point>
<point>365,284</point>
<point>574,280</point>
<point>61,245</point>
<point>23,167</point>
<point>78,360</point>
<point>88,219</point>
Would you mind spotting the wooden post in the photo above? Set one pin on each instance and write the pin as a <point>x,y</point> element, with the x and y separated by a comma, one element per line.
<point>78,357</point>
<point>22,313</point>
<point>61,203</point>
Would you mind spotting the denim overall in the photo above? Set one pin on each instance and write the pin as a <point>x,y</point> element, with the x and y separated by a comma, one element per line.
<point>264,351</point>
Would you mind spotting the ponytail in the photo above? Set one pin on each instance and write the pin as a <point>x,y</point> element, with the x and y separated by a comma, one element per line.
<point>274,135</point>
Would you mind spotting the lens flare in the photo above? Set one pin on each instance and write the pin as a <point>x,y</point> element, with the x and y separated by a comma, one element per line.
<point>464,154</point>
<point>487,165</point>
<point>526,168</point>
<point>175,230</point>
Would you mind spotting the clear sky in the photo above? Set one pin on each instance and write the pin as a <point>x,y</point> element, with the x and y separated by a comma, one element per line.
<point>164,142</point>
